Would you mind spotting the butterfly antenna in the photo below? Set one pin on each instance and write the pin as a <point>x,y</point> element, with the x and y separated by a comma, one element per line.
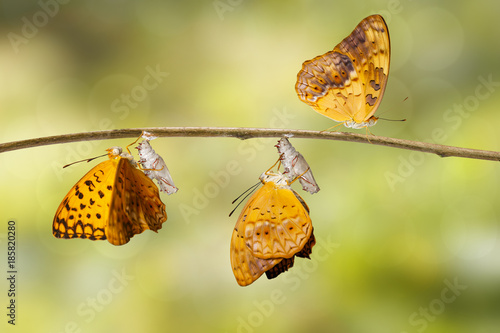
<point>88,160</point>
<point>249,190</point>
<point>387,110</point>
<point>392,119</point>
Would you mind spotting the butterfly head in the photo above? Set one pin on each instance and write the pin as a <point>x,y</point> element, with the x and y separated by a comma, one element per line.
<point>278,179</point>
<point>114,152</point>
<point>353,124</point>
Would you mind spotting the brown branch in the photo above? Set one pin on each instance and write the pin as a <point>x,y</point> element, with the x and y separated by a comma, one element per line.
<point>247,133</point>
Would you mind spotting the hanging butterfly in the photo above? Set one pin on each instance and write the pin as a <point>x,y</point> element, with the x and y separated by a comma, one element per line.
<point>348,83</point>
<point>295,165</point>
<point>154,166</point>
<point>273,228</point>
<point>113,201</point>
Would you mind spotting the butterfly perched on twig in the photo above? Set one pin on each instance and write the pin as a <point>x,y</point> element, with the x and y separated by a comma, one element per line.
<point>273,228</point>
<point>347,84</point>
<point>113,201</point>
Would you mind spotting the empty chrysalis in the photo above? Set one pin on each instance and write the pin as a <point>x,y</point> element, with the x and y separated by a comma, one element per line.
<point>154,166</point>
<point>295,165</point>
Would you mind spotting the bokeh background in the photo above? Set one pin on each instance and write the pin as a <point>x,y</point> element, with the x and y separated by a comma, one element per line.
<point>407,242</point>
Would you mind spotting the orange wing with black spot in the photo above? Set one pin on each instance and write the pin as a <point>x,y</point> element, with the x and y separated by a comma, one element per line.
<point>272,228</point>
<point>84,211</point>
<point>348,83</point>
<point>112,201</point>
<point>135,207</point>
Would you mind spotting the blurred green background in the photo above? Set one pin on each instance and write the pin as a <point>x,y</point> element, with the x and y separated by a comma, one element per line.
<point>395,229</point>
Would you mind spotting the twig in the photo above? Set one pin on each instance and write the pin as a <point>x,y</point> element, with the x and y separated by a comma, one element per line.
<point>247,133</point>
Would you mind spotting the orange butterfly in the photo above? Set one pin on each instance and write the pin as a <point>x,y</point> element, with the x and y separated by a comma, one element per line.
<point>113,201</point>
<point>273,228</point>
<point>348,83</point>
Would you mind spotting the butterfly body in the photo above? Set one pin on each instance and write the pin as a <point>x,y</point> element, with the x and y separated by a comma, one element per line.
<point>347,84</point>
<point>273,226</point>
<point>113,201</point>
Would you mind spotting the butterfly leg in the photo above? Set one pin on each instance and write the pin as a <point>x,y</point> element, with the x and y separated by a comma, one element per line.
<point>278,161</point>
<point>368,132</point>
<point>134,142</point>
<point>328,129</point>
<point>300,176</point>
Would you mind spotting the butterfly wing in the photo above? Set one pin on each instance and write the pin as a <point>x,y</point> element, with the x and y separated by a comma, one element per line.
<point>370,50</point>
<point>135,206</point>
<point>246,267</point>
<point>307,250</point>
<point>280,267</point>
<point>272,228</point>
<point>277,223</point>
<point>84,210</point>
<point>347,84</point>
<point>286,264</point>
<point>329,84</point>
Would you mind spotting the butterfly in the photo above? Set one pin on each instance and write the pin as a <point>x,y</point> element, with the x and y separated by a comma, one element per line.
<point>295,165</point>
<point>154,166</point>
<point>113,201</point>
<point>273,228</point>
<point>348,83</point>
